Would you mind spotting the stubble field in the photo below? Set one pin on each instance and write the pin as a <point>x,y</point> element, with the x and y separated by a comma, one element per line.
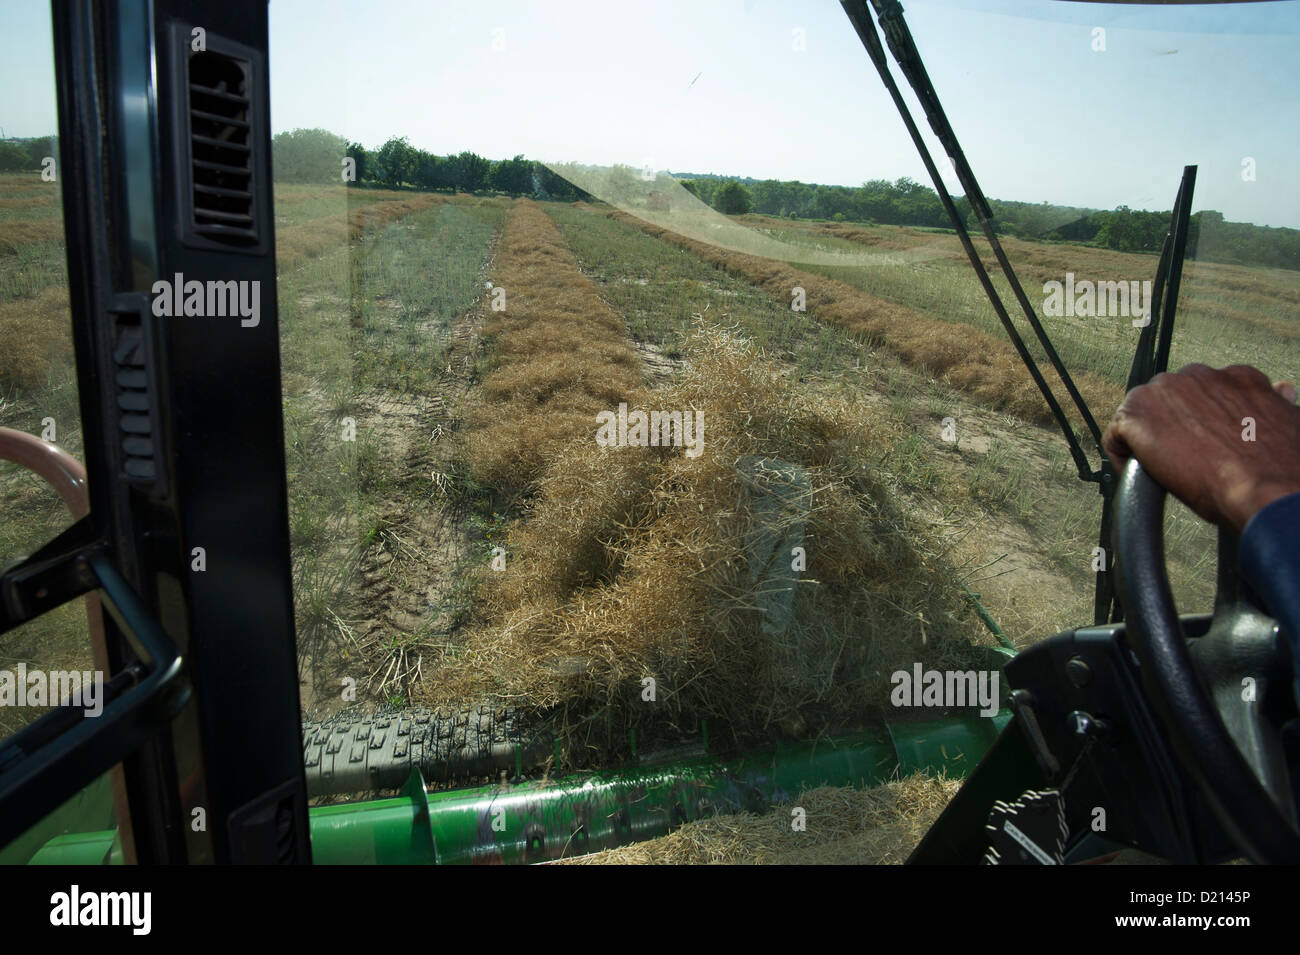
<point>459,536</point>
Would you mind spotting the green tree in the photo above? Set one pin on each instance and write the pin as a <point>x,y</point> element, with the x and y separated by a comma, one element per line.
<point>38,149</point>
<point>469,172</point>
<point>623,185</point>
<point>308,155</point>
<point>13,158</point>
<point>361,157</point>
<point>513,176</point>
<point>702,189</point>
<point>433,172</point>
<point>732,199</point>
<point>552,185</point>
<point>1130,231</point>
<point>395,162</point>
<point>767,197</point>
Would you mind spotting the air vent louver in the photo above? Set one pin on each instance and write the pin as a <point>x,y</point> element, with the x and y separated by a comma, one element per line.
<point>221,155</point>
<point>136,433</point>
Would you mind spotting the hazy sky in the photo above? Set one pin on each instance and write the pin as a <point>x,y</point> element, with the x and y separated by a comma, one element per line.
<point>719,86</point>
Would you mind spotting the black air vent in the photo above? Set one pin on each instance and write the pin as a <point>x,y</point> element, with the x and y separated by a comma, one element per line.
<point>135,415</point>
<point>221,154</point>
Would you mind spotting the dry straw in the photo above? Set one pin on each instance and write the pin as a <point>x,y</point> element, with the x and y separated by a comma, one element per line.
<point>877,826</point>
<point>19,232</point>
<point>563,356</point>
<point>640,562</point>
<point>35,338</point>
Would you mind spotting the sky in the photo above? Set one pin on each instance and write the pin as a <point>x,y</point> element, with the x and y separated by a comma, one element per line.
<point>784,90</point>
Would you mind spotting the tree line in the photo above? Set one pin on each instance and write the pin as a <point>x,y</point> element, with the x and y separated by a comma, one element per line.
<point>22,155</point>
<point>314,155</point>
<point>906,202</point>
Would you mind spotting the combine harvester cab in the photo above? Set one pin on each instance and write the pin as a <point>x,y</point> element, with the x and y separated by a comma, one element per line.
<point>181,549</point>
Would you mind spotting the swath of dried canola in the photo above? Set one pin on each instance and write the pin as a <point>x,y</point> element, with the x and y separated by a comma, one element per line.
<point>563,356</point>
<point>635,561</point>
<point>985,367</point>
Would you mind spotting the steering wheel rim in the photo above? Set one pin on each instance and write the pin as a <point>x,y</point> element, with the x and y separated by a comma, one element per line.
<point>1194,725</point>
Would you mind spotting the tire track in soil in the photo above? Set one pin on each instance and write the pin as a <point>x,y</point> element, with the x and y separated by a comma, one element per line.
<point>405,582</point>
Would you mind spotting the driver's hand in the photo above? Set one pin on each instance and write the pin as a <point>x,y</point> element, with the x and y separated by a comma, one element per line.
<point>1192,431</point>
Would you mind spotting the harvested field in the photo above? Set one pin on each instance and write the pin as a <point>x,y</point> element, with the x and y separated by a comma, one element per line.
<point>306,240</point>
<point>19,232</point>
<point>630,563</point>
<point>985,367</point>
<point>475,543</point>
<point>34,339</point>
<point>384,339</point>
<point>1227,313</point>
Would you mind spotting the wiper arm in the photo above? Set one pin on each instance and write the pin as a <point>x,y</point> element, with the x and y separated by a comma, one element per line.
<point>1152,355</point>
<point>1151,358</point>
<point>904,50</point>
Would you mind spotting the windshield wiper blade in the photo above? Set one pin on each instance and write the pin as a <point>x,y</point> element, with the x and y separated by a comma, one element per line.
<point>899,38</point>
<point>1151,358</point>
<point>1152,355</point>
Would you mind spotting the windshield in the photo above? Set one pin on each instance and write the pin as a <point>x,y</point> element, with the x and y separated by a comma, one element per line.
<point>650,399</point>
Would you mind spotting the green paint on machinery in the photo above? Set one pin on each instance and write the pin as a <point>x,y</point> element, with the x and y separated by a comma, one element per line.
<point>535,821</point>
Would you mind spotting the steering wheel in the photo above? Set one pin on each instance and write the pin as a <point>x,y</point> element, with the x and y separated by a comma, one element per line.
<point>1228,737</point>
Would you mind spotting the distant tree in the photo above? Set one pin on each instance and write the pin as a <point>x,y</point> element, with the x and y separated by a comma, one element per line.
<point>363,160</point>
<point>39,149</point>
<point>308,155</point>
<point>829,201</point>
<point>703,189</point>
<point>907,186</point>
<point>623,185</point>
<point>548,184</point>
<point>1208,223</point>
<point>1082,229</point>
<point>1130,231</point>
<point>732,199</point>
<point>13,158</point>
<point>513,176</point>
<point>771,197</point>
<point>469,172</point>
<point>433,172</point>
<point>395,162</point>
<point>415,161</point>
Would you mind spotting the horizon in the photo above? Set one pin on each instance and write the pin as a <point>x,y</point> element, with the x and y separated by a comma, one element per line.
<point>786,92</point>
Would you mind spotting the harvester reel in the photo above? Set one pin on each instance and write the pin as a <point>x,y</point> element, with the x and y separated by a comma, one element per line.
<point>1222,698</point>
